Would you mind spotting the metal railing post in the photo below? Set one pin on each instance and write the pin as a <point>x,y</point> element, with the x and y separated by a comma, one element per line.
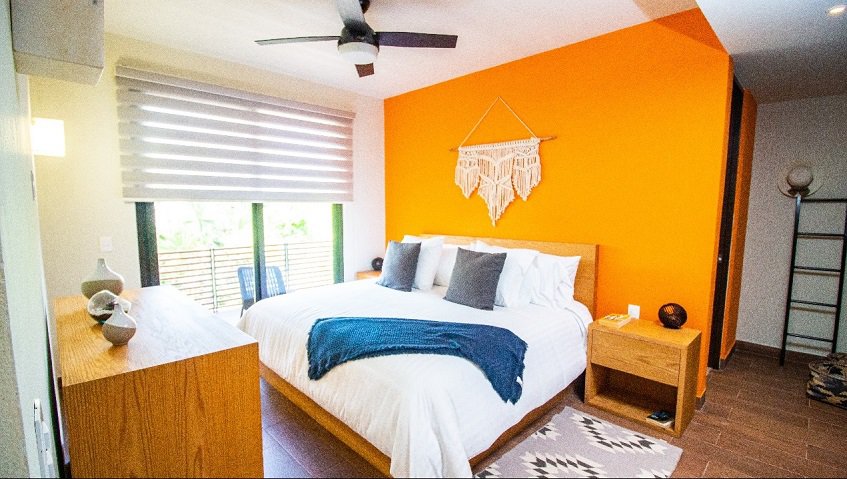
<point>214,281</point>
<point>287,267</point>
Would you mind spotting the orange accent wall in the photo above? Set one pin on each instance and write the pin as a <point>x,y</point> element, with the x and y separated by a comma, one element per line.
<point>641,116</point>
<point>739,225</point>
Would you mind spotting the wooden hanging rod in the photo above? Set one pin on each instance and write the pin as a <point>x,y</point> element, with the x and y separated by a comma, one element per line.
<point>542,138</point>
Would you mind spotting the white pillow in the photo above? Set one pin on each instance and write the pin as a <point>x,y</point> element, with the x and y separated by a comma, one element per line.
<point>550,281</point>
<point>445,265</point>
<point>510,293</point>
<point>427,261</point>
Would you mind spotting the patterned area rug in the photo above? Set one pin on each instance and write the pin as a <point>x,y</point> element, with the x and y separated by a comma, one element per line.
<point>574,444</point>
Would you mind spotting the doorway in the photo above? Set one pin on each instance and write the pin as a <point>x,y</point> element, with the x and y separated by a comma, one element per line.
<point>727,218</point>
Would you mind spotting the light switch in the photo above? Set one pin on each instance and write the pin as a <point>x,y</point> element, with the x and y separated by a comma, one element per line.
<point>105,244</point>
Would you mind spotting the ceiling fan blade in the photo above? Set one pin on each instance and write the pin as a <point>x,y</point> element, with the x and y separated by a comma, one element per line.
<point>365,70</point>
<point>416,40</point>
<point>351,14</point>
<point>277,41</point>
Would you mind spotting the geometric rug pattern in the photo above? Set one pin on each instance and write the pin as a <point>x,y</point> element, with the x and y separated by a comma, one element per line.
<point>575,444</point>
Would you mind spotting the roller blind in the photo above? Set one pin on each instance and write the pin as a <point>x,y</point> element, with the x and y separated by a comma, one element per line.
<point>186,140</point>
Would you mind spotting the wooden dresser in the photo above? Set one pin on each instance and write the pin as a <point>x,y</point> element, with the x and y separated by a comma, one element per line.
<point>180,400</point>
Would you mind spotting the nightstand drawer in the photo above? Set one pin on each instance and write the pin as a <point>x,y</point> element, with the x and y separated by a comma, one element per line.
<point>635,356</point>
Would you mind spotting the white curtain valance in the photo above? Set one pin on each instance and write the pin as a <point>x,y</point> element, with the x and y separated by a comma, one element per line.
<point>186,140</point>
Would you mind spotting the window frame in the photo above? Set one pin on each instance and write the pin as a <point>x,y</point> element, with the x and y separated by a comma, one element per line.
<point>148,254</point>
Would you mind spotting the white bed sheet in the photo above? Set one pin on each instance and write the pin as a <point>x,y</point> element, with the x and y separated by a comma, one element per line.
<point>428,413</point>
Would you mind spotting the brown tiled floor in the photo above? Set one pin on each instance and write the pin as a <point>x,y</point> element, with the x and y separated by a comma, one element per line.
<point>757,422</point>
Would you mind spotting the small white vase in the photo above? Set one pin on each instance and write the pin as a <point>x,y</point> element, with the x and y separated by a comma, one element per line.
<point>102,278</point>
<point>120,327</point>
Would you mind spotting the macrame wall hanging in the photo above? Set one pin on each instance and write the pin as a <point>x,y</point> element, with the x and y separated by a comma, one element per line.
<point>499,170</point>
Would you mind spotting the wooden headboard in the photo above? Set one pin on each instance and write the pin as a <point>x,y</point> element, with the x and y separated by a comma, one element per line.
<point>585,288</point>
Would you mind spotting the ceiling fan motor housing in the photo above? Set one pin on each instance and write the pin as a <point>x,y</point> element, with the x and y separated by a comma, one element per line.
<point>360,48</point>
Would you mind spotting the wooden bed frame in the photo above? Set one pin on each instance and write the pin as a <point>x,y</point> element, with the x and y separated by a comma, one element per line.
<point>585,291</point>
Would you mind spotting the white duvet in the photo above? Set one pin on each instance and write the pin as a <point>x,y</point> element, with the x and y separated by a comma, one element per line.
<point>428,413</point>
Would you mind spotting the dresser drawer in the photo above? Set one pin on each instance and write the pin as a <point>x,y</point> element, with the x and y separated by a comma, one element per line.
<point>635,356</point>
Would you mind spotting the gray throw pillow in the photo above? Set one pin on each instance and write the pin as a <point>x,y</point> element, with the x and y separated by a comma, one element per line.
<point>399,266</point>
<point>474,279</point>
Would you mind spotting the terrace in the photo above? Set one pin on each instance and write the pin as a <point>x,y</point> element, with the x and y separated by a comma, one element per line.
<point>209,275</point>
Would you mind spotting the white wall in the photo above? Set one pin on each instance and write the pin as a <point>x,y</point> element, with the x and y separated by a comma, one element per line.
<point>22,302</point>
<point>812,131</point>
<point>80,195</point>
<point>13,460</point>
<point>364,218</point>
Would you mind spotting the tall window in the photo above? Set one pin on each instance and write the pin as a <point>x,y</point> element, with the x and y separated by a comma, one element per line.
<point>201,245</point>
<point>234,179</point>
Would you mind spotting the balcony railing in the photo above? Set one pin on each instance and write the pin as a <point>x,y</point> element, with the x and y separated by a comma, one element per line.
<point>209,276</point>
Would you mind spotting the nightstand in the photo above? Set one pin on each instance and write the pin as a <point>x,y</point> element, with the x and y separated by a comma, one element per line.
<point>368,274</point>
<point>641,368</point>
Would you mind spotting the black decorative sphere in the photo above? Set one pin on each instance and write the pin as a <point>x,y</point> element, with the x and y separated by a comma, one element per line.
<point>376,264</point>
<point>672,315</point>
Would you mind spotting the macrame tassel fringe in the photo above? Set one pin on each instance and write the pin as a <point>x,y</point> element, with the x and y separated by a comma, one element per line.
<point>527,175</point>
<point>499,170</point>
<point>496,182</point>
<point>467,174</point>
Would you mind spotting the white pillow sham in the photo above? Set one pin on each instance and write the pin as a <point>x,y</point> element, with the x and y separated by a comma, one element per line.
<point>427,261</point>
<point>550,281</point>
<point>446,264</point>
<point>510,291</point>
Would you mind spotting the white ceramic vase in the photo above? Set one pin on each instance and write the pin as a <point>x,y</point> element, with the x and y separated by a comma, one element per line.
<point>120,327</point>
<point>102,278</point>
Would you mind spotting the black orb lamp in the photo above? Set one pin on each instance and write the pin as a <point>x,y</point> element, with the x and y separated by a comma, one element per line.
<point>672,315</point>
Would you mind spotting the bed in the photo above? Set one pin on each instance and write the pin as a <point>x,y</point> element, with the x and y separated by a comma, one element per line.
<point>424,415</point>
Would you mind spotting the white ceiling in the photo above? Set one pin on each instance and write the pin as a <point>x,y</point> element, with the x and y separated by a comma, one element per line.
<point>491,32</point>
<point>783,49</point>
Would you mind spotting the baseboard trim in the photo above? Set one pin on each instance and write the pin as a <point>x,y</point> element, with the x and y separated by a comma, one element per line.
<point>701,401</point>
<point>723,362</point>
<point>772,352</point>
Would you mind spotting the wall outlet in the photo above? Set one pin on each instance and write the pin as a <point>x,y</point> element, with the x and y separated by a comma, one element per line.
<point>634,310</point>
<point>43,440</point>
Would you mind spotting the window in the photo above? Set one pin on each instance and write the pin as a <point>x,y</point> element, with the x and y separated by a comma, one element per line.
<point>224,178</point>
<point>199,247</point>
<point>299,241</point>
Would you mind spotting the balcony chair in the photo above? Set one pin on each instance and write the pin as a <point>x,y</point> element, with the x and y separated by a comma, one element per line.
<point>246,279</point>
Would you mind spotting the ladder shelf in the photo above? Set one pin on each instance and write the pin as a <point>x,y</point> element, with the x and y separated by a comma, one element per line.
<point>790,300</point>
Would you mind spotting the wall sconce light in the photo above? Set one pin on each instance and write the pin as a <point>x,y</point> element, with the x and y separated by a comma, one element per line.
<point>48,137</point>
<point>798,180</point>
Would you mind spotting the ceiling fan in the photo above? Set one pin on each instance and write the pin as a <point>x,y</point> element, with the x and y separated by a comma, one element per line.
<point>359,43</point>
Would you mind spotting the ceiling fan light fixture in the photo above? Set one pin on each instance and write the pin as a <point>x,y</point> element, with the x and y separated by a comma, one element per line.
<point>837,10</point>
<point>358,53</point>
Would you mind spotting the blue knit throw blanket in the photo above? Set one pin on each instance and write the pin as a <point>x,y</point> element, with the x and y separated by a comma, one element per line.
<point>497,351</point>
